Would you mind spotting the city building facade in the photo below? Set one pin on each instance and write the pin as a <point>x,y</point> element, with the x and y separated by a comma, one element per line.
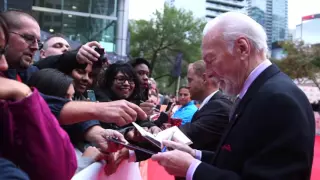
<point>273,16</point>
<point>209,9</point>
<point>105,21</point>
<point>309,30</point>
<point>216,7</point>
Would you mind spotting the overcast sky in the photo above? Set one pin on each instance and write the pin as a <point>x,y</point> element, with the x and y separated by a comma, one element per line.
<point>143,9</point>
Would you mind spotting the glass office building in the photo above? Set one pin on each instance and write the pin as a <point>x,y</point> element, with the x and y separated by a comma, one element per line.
<point>279,20</point>
<point>209,9</point>
<point>310,31</point>
<point>273,16</point>
<point>105,21</point>
<point>216,7</point>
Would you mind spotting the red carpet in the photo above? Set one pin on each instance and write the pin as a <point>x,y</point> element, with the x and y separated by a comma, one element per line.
<point>316,160</point>
<point>156,172</point>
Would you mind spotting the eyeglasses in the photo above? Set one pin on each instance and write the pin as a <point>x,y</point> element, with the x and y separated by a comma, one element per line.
<point>122,80</point>
<point>30,39</point>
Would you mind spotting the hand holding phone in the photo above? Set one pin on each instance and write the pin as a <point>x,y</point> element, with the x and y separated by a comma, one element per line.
<point>130,146</point>
<point>169,106</point>
<point>91,95</point>
<point>102,59</point>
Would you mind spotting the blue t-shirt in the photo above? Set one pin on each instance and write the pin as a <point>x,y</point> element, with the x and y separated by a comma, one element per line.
<point>186,112</point>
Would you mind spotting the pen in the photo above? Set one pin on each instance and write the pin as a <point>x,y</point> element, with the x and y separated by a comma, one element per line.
<point>154,108</point>
<point>164,149</point>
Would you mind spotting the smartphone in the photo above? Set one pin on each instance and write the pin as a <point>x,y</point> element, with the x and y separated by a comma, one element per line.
<point>169,106</point>
<point>102,59</point>
<point>91,95</point>
<point>130,146</point>
<point>101,52</point>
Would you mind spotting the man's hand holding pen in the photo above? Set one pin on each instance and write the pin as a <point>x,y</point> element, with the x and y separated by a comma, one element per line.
<point>148,107</point>
<point>177,161</point>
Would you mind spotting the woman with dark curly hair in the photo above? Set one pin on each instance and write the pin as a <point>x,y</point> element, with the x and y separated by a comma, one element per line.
<point>119,82</point>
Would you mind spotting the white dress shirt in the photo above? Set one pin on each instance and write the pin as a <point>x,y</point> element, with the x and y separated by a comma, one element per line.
<point>205,101</point>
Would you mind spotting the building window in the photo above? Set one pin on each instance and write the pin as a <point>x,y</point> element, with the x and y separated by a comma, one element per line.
<point>101,7</point>
<point>104,7</point>
<point>57,18</point>
<point>47,18</point>
<point>77,5</point>
<point>78,28</point>
<point>48,5</point>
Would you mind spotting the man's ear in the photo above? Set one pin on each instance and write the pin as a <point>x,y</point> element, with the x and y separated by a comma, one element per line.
<point>42,54</point>
<point>204,78</point>
<point>243,48</point>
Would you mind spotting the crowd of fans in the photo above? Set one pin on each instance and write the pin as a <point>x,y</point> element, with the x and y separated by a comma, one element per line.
<point>70,94</point>
<point>57,114</point>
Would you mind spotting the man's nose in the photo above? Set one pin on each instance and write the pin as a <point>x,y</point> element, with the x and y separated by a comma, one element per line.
<point>65,49</point>
<point>34,46</point>
<point>3,63</point>
<point>85,77</point>
<point>145,77</point>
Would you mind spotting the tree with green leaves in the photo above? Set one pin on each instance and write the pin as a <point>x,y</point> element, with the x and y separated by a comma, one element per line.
<point>162,38</point>
<point>302,62</point>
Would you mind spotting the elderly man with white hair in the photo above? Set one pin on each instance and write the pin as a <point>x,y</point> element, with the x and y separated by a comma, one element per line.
<point>272,128</point>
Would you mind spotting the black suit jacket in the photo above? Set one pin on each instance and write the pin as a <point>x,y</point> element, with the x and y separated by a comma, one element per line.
<point>270,136</point>
<point>209,123</point>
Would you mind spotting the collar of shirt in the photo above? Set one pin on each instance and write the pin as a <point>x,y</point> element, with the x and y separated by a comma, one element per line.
<point>188,104</point>
<point>253,75</point>
<point>205,101</point>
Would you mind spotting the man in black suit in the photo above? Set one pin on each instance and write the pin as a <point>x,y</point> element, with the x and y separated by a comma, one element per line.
<point>212,117</point>
<point>272,128</point>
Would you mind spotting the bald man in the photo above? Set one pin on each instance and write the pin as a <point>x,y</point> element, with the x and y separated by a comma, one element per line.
<point>54,45</point>
<point>272,128</point>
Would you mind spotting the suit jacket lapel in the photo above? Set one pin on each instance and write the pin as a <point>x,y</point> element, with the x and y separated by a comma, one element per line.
<point>252,90</point>
<point>217,95</point>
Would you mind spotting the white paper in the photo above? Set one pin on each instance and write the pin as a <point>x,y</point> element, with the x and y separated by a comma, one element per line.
<point>177,135</point>
<point>126,171</point>
<point>166,134</point>
<point>142,131</point>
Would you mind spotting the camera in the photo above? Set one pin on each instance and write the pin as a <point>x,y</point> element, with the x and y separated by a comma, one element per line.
<point>103,58</point>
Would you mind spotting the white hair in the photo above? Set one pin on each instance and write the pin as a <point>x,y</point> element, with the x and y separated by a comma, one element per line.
<point>153,81</point>
<point>236,24</point>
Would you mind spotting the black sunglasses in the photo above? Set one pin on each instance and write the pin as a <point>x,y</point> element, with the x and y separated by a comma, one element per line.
<point>30,39</point>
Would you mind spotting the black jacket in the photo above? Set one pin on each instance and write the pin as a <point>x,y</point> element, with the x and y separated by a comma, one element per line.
<point>270,136</point>
<point>209,123</point>
<point>65,63</point>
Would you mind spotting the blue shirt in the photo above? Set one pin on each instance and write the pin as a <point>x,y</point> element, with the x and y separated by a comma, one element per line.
<point>186,112</point>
